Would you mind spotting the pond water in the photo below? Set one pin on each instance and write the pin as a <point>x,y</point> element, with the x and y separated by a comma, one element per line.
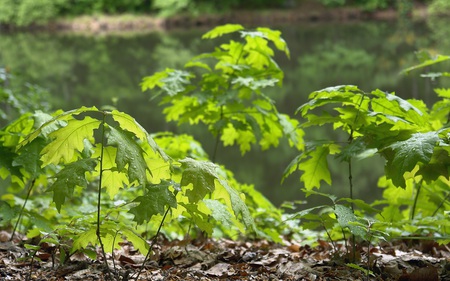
<point>106,70</point>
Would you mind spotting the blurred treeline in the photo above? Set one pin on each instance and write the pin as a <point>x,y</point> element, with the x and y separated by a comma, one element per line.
<point>27,12</point>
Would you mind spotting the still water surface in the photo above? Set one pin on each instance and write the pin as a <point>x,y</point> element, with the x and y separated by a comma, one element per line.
<point>106,70</point>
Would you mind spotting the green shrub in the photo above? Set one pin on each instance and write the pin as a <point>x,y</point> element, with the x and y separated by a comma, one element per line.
<point>439,7</point>
<point>26,12</point>
<point>7,10</point>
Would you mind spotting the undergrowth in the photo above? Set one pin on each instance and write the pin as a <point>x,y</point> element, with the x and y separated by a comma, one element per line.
<point>89,177</point>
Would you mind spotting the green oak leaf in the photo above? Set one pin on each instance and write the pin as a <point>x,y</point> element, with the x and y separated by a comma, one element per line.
<point>29,157</point>
<point>275,37</point>
<point>315,168</point>
<point>427,62</point>
<point>155,201</point>
<point>176,82</point>
<point>199,218</point>
<point>6,163</point>
<point>347,218</point>
<point>7,212</point>
<point>68,140</point>
<point>408,153</point>
<point>404,104</point>
<point>84,239</point>
<point>16,130</point>
<point>112,179</point>
<point>60,119</point>
<point>138,242</point>
<point>72,175</point>
<point>150,82</point>
<point>128,153</point>
<point>130,124</point>
<point>238,205</point>
<point>220,212</point>
<point>201,174</point>
<point>221,30</point>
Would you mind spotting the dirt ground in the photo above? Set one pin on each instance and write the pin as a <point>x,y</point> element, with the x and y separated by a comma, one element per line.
<point>224,259</point>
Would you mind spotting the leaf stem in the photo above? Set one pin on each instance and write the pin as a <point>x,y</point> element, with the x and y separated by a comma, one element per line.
<point>416,198</point>
<point>216,145</point>
<point>441,204</point>
<point>99,197</point>
<point>30,188</point>
<point>153,243</point>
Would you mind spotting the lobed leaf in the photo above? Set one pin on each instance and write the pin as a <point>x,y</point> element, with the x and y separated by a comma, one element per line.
<point>130,124</point>
<point>155,201</point>
<point>72,175</point>
<point>129,154</point>
<point>200,218</point>
<point>238,205</point>
<point>347,218</point>
<point>220,213</point>
<point>221,30</point>
<point>29,157</point>
<point>427,62</point>
<point>201,174</point>
<point>408,153</point>
<point>69,140</point>
<point>59,118</point>
<point>153,81</point>
<point>315,168</point>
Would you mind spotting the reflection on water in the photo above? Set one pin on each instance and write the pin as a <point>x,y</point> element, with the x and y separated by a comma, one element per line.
<point>81,70</point>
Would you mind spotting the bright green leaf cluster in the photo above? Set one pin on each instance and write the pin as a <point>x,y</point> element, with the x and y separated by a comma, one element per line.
<point>404,132</point>
<point>224,90</point>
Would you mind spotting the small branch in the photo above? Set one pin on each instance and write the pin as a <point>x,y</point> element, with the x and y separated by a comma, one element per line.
<point>30,188</point>
<point>413,209</point>
<point>441,204</point>
<point>153,243</point>
<point>216,145</point>
<point>99,197</point>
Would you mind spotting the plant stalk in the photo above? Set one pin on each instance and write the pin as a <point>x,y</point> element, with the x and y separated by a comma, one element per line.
<point>30,188</point>
<point>413,209</point>
<point>153,243</point>
<point>99,197</point>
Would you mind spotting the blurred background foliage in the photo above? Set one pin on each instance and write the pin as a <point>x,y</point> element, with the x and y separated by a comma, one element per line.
<point>27,12</point>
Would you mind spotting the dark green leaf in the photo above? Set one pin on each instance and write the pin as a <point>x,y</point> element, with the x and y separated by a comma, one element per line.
<point>407,154</point>
<point>346,218</point>
<point>71,175</point>
<point>155,201</point>
<point>29,157</point>
<point>201,174</point>
<point>199,218</point>
<point>238,205</point>
<point>128,153</point>
<point>220,213</point>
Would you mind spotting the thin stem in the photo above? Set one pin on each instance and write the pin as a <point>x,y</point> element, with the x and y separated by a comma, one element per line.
<point>30,188</point>
<point>216,145</point>
<point>99,197</point>
<point>331,239</point>
<point>153,243</point>
<point>413,210</point>
<point>441,204</point>
<point>350,179</point>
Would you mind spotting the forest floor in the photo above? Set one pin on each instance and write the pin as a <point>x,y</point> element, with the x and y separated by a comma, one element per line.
<point>413,260</point>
